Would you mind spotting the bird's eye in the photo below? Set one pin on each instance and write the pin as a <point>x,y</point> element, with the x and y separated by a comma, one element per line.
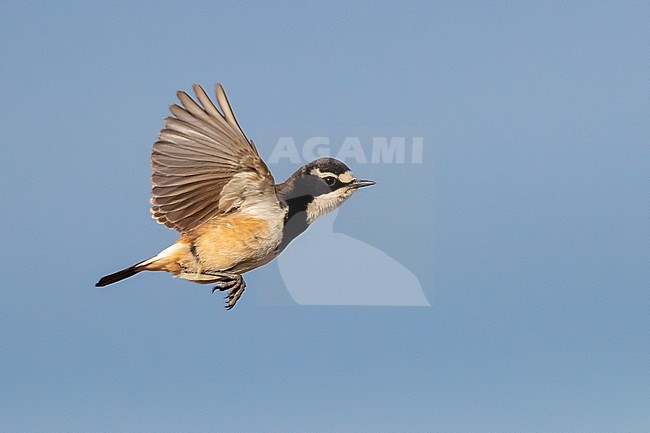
<point>330,180</point>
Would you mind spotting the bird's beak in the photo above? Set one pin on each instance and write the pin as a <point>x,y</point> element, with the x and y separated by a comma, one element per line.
<point>358,183</point>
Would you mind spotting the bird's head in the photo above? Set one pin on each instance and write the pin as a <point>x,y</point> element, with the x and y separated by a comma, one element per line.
<point>326,183</point>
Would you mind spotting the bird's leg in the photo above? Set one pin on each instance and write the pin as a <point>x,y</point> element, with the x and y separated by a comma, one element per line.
<point>234,283</point>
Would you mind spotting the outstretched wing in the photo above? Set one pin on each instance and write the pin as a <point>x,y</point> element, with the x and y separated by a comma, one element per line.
<point>203,165</point>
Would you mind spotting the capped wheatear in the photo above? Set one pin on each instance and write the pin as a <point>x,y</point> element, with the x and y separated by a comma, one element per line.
<point>210,184</point>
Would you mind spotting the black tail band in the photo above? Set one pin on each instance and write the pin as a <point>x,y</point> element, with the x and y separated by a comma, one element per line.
<point>117,276</point>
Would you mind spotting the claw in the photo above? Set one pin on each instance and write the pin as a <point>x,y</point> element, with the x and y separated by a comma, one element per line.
<point>233,283</point>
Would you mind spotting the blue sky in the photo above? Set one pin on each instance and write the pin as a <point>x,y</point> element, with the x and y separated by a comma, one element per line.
<point>526,223</point>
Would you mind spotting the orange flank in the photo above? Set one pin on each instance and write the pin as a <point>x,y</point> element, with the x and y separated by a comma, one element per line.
<point>226,242</point>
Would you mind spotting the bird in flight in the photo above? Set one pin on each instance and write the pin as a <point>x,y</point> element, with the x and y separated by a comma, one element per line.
<point>210,184</point>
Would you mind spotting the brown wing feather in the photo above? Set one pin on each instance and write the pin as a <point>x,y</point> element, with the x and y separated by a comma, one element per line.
<point>198,152</point>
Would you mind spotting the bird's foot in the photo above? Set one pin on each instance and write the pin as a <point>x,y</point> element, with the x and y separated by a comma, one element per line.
<point>233,283</point>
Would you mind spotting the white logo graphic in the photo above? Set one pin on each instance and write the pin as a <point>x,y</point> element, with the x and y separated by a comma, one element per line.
<point>323,267</point>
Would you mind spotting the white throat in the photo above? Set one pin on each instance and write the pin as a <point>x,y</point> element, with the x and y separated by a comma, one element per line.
<point>325,203</point>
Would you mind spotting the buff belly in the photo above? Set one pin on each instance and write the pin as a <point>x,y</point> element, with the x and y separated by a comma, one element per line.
<point>234,243</point>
